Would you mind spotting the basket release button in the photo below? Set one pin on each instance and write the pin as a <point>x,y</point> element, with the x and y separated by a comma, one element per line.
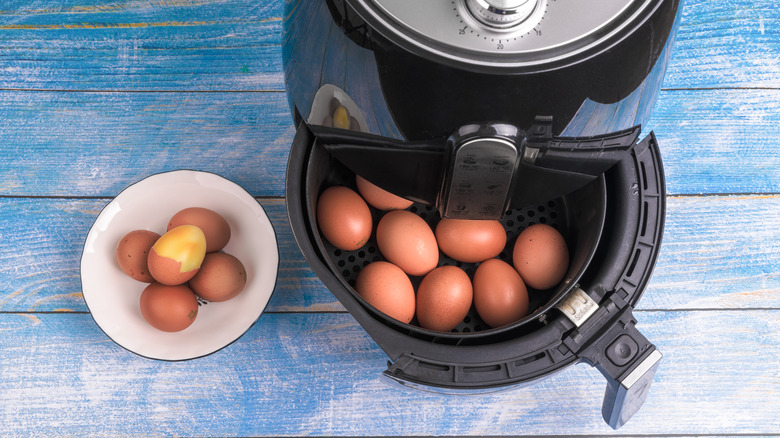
<point>622,350</point>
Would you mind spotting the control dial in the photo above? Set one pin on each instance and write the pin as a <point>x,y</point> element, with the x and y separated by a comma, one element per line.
<point>501,14</point>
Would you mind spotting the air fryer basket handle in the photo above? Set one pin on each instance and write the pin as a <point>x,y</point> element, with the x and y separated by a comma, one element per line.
<point>628,361</point>
<point>624,398</point>
<point>461,174</point>
<point>577,155</point>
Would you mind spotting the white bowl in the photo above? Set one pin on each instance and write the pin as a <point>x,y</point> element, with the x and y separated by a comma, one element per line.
<point>113,298</point>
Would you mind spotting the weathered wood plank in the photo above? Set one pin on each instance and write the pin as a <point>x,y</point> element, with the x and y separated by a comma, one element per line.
<point>727,44</point>
<point>718,252</point>
<point>95,144</point>
<point>141,45</point>
<point>719,141</point>
<point>319,374</point>
<point>232,45</point>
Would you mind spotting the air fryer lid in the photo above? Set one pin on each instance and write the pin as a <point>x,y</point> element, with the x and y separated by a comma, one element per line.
<point>506,33</point>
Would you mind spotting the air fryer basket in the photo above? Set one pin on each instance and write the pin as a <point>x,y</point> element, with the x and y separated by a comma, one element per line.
<point>593,322</point>
<point>579,216</point>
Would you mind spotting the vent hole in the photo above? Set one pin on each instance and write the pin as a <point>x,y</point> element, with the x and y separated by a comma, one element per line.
<point>633,263</point>
<point>434,366</point>
<point>482,369</point>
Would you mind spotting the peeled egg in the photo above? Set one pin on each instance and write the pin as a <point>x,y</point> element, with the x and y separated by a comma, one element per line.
<point>177,255</point>
<point>213,225</point>
<point>407,241</point>
<point>541,256</point>
<point>344,218</point>
<point>380,198</point>
<point>386,287</point>
<point>470,241</point>
<point>169,308</point>
<point>132,253</point>
<point>500,296</point>
<point>443,298</point>
<point>341,117</point>
<point>221,277</point>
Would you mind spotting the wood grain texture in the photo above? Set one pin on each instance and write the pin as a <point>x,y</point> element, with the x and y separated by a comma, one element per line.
<point>95,144</point>
<point>719,141</point>
<point>234,45</point>
<point>719,252</point>
<point>141,45</point>
<point>97,94</point>
<point>727,44</point>
<point>319,374</point>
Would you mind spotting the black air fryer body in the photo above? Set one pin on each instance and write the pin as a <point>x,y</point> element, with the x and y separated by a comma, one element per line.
<point>565,112</point>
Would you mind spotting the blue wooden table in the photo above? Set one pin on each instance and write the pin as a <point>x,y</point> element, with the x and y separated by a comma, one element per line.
<point>97,94</point>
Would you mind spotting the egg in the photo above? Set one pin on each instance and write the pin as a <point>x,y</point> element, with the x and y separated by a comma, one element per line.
<point>132,253</point>
<point>341,117</point>
<point>177,255</point>
<point>500,296</point>
<point>221,277</point>
<point>387,288</point>
<point>407,241</point>
<point>380,198</point>
<point>213,225</point>
<point>169,308</point>
<point>443,298</point>
<point>541,256</point>
<point>344,218</point>
<point>470,241</point>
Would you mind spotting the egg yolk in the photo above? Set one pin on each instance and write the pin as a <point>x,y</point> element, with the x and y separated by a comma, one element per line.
<point>185,244</point>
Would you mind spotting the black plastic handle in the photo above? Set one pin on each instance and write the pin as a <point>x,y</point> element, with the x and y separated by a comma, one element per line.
<point>624,356</point>
<point>462,175</point>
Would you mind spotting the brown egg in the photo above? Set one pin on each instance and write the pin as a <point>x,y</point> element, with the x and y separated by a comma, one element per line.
<point>379,198</point>
<point>407,241</point>
<point>213,225</point>
<point>500,296</point>
<point>387,288</point>
<point>443,298</point>
<point>177,255</point>
<point>169,308</point>
<point>221,277</point>
<point>132,253</point>
<point>541,256</point>
<point>470,241</point>
<point>344,218</point>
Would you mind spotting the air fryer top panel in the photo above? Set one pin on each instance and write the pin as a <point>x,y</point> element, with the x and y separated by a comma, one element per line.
<point>511,33</point>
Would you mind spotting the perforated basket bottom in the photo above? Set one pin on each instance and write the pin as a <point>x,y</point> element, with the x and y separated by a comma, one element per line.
<point>553,213</point>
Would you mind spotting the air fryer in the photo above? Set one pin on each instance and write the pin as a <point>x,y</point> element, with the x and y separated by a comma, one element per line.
<point>555,91</point>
